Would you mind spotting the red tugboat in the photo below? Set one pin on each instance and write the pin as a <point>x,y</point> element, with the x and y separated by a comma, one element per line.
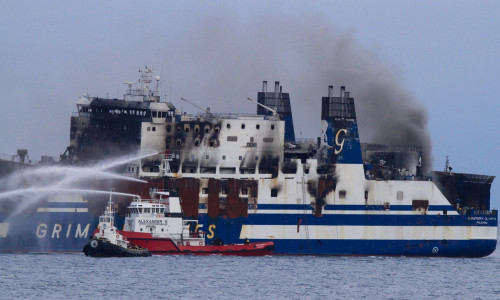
<point>157,224</point>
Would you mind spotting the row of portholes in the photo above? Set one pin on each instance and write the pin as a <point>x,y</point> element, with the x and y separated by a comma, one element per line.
<point>224,190</point>
<point>193,157</point>
<point>243,126</point>
<point>197,142</point>
<point>207,128</point>
<point>187,128</point>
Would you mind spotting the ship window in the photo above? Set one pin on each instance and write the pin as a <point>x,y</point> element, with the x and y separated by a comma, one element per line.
<point>196,128</point>
<point>274,192</point>
<point>149,129</point>
<point>169,128</point>
<point>242,126</point>
<point>207,129</point>
<point>420,205</point>
<point>228,125</point>
<point>256,158</point>
<point>251,140</point>
<point>217,129</point>
<point>387,206</point>
<point>342,194</point>
<point>207,156</point>
<point>223,157</point>
<point>257,126</point>
<point>204,191</point>
<point>232,138</point>
<point>240,157</point>
<point>186,128</point>
<point>154,113</point>
<point>178,142</point>
<point>400,195</point>
<point>154,128</point>
<point>196,142</point>
<point>244,191</point>
<point>366,195</point>
<point>272,126</point>
<point>227,170</point>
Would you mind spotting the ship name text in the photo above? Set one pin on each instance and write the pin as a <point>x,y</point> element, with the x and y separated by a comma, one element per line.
<point>152,222</point>
<point>59,231</point>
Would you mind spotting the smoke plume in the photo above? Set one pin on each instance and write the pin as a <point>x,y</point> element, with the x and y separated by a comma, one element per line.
<point>305,53</point>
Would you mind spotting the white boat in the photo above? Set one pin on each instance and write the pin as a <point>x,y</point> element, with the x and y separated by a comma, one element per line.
<point>109,242</point>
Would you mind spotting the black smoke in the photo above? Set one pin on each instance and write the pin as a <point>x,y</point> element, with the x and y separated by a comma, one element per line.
<point>305,53</point>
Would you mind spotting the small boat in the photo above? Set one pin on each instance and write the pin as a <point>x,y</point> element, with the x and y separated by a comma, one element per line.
<point>109,242</point>
<point>158,225</point>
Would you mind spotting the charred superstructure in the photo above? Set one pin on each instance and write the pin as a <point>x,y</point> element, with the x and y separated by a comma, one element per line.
<point>104,128</point>
<point>246,176</point>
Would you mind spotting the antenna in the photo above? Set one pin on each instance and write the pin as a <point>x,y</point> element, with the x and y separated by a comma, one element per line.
<point>447,167</point>
<point>110,203</point>
<point>157,83</point>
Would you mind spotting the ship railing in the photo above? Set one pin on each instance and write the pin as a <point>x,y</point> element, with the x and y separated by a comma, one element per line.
<point>475,212</point>
<point>400,177</point>
<point>13,158</point>
<point>224,115</point>
<point>305,141</point>
<point>16,159</point>
<point>302,143</point>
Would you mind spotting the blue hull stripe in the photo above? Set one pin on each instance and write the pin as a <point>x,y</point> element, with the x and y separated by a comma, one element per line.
<point>475,248</point>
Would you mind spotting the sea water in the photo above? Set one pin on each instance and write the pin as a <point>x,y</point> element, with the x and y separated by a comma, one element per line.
<point>75,276</point>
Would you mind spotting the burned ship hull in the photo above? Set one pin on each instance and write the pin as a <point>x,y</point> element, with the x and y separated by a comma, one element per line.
<point>245,176</point>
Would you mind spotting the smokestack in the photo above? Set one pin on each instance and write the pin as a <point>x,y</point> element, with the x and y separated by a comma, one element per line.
<point>342,91</point>
<point>330,91</point>
<point>347,95</point>
<point>264,86</point>
<point>276,86</point>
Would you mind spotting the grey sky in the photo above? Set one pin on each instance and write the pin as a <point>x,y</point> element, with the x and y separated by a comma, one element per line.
<point>441,58</point>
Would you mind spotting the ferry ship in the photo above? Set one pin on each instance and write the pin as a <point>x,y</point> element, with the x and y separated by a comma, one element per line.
<point>246,176</point>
